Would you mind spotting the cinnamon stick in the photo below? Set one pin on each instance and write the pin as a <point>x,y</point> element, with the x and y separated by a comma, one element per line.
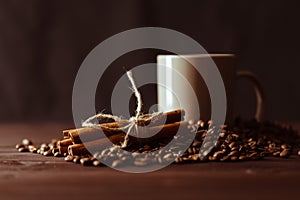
<point>90,134</point>
<point>162,132</point>
<point>65,142</point>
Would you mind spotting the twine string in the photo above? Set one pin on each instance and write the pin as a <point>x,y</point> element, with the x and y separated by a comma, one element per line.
<point>133,123</point>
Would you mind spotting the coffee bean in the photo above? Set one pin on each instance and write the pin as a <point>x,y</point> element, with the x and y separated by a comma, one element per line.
<point>211,158</point>
<point>243,158</point>
<point>169,155</point>
<point>97,163</point>
<point>55,150</point>
<point>76,159</point>
<point>86,161</point>
<point>178,160</point>
<point>218,154</point>
<point>235,136</point>
<point>69,158</point>
<point>224,158</point>
<point>23,149</point>
<point>48,153</point>
<point>235,148</point>
<point>299,153</point>
<point>26,142</point>
<point>233,158</point>
<point>44,147</point>
<point>57,154</point>
<point>285,153</point>
<point>116,163</point>
<point>284,146</point>
<point>276,153</point>
<point>252,155</point>
<point>33,150</point>
<point>207,144</point>
<point>20,146</point>
<point>233,153</point>
<point>232,144</point>
<point>140,162</point>
<point>197,144</point>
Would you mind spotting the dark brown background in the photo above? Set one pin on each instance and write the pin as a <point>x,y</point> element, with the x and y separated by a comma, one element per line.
<point>42,44</point>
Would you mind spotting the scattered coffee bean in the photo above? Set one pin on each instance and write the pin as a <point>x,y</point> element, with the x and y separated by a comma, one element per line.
<point>140,162</point>
<point>23,149</point>
<point>26,142</point>
<point>285,153</point>
<point>57,154</point>
<point>86,161</point>
<point>69,158</point>
<point>276,153</point>
<point>116,163</point>
<point>97,163</point>
<point>19,146</point>
<point>233,158</point>
<point>48,153</point>
<point>76,159</point>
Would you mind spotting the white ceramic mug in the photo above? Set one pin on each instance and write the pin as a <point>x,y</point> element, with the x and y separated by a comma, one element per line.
<point>173,92</point>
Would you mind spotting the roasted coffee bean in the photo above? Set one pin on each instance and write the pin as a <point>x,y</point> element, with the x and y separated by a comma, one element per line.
<point>48,153</point>
<point>243,158</point>
<point>235,136</point>
<point>211,158</point>
<point>197,144</point>
<point>252,155</point>
<point>207,144</point>
<point>26,142</point>
<point>224,158</point>
<point>57,154</point>
<point>284,146</point>
<point>203,159</point>
<point>235,148</point>
<point>33,150</point>
<point>69,158</point>
<point>218,154</point>
<point>86,161</point>
<point>140,162</point>
<point>179,160</point>
<point>169,155</point>
<point>23,149</point>
<point>116,163</point>
<point>233,153</point>
<point>299,153</point>
<point>222,134</point>
<point>285,153</point>
<point>20,146</point>
<point>97,163</point>
<point>55,150</point>
<point>232,144</point>
<point>76,159</point>
<point>44,147</point>
<point>233,158</point>
<point>276,153</point>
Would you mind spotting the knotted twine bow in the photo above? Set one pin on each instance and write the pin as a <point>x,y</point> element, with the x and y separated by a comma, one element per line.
<point>133,123</point>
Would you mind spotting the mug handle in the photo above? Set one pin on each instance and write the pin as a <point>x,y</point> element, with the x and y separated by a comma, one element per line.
<point>260,97</point>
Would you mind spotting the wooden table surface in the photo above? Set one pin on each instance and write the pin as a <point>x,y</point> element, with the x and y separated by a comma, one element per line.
<point>32,176</point>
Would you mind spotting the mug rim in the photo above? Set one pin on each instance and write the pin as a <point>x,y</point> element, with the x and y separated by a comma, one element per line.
<point>212,55</point>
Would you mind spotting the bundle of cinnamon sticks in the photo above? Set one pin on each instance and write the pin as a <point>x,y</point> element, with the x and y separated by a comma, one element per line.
<point>82,141</point>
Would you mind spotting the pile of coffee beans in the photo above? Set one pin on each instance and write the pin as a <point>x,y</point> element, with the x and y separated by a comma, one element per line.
<point>46,149</point>
<point>240,141</point>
